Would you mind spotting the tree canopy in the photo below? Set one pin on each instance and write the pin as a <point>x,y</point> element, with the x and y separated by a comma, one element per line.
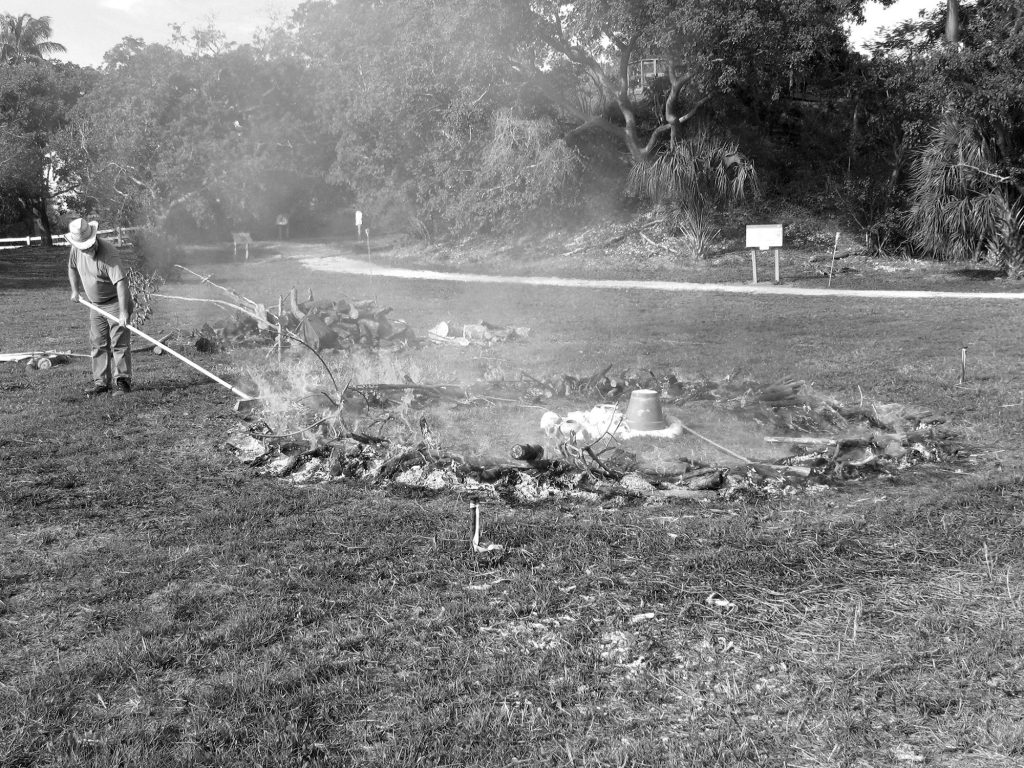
<point>200,142</point>
<point>485,115</point>
<point>35,101</point>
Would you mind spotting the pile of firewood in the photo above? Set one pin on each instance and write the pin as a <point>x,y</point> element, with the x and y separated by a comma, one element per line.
<point>338,324</point>
<point>318,324</point>
<point>341,324</point>
<point>482,333</point>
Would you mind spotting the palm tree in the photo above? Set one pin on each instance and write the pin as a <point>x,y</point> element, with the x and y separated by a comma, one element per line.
<point>692,180</point>
<point>24,38</point>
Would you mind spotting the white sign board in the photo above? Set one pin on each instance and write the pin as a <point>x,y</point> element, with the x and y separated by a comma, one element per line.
<point>764,236</point>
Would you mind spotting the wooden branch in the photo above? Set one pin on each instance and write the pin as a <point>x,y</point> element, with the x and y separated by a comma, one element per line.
<point>659,245</point>
<point>293,304</point>
<point>226,304</point>
<point>995,176</point>
<point>655,135</point>
<point>595,122</point>
<point>693,111</point>
<point>206,279</point>
<point>148,347</point>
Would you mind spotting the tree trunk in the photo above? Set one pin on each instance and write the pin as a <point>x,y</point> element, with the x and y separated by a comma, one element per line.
<point>637,152</point>
<point>672,116</point>
<point>953,23</point>
<point>42,221</point>
<point>852,142</point>
<point>617,87</point>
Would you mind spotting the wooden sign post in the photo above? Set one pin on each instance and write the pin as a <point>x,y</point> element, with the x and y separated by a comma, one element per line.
<point>764,237</point>
<point>240,238</point>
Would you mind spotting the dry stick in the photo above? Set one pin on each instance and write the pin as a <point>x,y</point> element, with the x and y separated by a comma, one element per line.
<point>206,279</point>
<point>832,269</point>
<point>167,349</point>
<point>659,245</point>
<point>757,465</point>
<point>219,302</point>
<point>654,223</point>
<point>722,448</point>
<point>302,431</point>
<point>159,351</point>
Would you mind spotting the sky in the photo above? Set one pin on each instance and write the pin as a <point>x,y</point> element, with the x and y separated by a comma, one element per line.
<point>89,28</point>
<point>876,16</point>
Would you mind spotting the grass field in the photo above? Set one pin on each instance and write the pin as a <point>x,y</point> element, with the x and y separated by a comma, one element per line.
<point>160,604</point>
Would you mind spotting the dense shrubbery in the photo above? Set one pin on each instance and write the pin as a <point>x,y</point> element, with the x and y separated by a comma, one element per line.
<point>526,172</point>
<point>482,116</point>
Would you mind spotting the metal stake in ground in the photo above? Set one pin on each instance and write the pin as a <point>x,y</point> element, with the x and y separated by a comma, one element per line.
<point>963,366</point>
<point>832,269</point>
<point>243,398</point>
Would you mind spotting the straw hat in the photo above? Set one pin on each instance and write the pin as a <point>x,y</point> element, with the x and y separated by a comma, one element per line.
<point>82,233</point>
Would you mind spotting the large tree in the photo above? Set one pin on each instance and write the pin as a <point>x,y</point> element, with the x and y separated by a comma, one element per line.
<point>415,90</point>
<point>35,99</point>
<point>202,142</point>
<point>26,38</point>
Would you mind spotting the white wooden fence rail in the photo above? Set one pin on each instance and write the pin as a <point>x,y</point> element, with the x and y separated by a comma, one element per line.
<point>121,236</point>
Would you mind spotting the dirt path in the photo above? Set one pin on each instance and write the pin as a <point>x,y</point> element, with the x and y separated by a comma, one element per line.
<point>329,259</point>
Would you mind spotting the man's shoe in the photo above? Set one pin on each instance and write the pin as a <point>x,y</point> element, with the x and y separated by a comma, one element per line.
<point>97,389</point>
<point>123,387</point>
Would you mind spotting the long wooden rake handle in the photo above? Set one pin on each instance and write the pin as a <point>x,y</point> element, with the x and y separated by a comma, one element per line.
<point>168,350</point>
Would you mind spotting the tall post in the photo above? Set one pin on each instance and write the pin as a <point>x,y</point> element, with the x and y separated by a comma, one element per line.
<point>753,263</point>
<point>280,328</point>
<point>952,23</point>
<point>369,258</point>
<point>777,278</point>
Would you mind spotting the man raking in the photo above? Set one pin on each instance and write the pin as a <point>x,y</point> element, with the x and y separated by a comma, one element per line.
<point>95,264</point>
